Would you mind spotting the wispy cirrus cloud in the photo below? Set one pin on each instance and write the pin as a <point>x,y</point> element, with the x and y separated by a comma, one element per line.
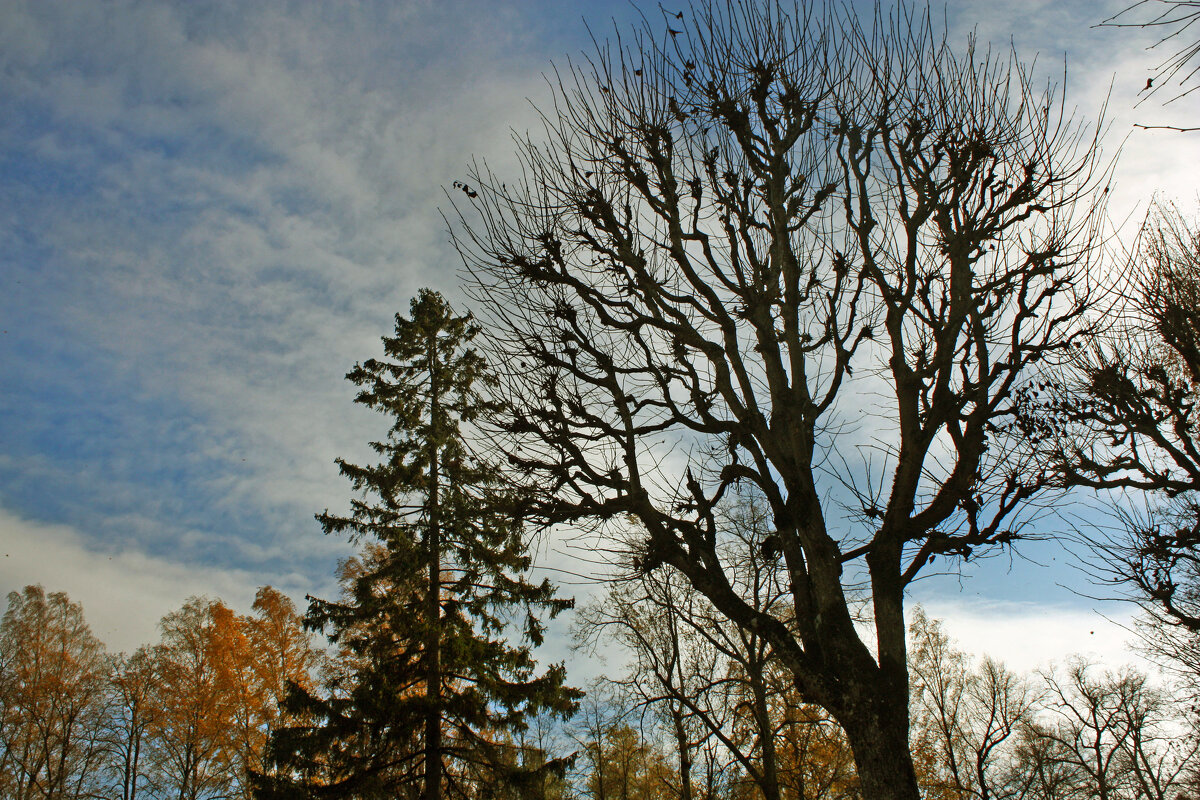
<point>209,216</point>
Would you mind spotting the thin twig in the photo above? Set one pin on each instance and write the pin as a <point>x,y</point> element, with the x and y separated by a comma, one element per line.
<point>1165,128</point>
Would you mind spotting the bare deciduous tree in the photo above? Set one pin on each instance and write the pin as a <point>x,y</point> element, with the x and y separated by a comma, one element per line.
<point>1112,735</point>
<point>716,687</point>
<point>754,240</point>
<point>969,717</point>
<point>744,233</point>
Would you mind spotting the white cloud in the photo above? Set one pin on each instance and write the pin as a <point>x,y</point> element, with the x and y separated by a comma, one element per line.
<point>1029,635</point>
<point>123,593</point>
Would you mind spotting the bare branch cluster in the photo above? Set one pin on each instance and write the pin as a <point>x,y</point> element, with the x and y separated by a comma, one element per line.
<point>1176,23</point>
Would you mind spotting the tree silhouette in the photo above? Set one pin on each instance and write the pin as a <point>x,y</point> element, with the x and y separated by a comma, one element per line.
<point>756,246</point>
<point>1125,419</point>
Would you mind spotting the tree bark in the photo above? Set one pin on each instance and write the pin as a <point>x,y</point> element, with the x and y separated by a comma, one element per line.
<point>685,755</point>
<point>879,741</point>
<point>762,719</point>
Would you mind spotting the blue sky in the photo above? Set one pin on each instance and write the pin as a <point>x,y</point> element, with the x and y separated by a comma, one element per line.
<point>209,212</point>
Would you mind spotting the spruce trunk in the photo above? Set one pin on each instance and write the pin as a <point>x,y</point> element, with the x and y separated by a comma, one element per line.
<point>433,677</point>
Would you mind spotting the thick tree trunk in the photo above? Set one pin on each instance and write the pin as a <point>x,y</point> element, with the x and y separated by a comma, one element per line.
<point>879,741</point>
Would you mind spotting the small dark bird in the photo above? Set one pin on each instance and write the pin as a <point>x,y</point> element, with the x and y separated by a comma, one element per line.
<point>637,72</point>
<point>679,15</point>
<point>673,32</point>
<point>1149,83</point>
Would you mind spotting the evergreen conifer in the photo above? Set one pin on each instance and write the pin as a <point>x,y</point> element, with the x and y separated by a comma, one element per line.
<point>429,689</point>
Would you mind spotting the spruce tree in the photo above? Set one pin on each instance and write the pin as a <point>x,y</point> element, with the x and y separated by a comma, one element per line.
<point>428,688</point>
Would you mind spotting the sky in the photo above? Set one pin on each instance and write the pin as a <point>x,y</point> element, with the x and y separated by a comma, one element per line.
<point>210,211</point>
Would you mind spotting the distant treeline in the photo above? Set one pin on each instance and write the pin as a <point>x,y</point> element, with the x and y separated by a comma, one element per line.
<point>696,714</point>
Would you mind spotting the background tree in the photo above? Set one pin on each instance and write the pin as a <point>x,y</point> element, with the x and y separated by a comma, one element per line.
<point>281,656</point>
<point>545,739</point>
<point>1126,420</point>
<point>180,719</point>
<point>132,708</point>
<point>433,684</point>
<point>743,232</point>
<point>814,757</point>
<point>604,708</point>
<point>665,666</point>
<point>971,718</point>
<point>1109,735</point>
<point>198,664</point>
<point>715,687</point>
<point>631,767</point>
<point>680,680</point>
<point>53,674</point>
<point>283,648</point>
